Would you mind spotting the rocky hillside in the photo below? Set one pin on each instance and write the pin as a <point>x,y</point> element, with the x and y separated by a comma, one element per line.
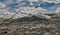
<point>31,26</point>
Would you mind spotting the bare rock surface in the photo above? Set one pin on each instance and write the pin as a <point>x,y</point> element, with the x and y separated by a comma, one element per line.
<point>35,27</point>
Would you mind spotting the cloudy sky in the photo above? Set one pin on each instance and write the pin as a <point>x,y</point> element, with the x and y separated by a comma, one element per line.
<point>12,5</point>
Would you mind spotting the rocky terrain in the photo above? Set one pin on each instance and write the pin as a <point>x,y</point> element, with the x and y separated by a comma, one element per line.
<point>31,26</point>
<point>29,17</point>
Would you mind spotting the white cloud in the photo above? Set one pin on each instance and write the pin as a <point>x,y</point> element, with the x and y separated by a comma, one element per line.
<point>19,0</point>
<point>5,13</point>
<point>50,1</point>
<point>2,5</point>
<point>25,11</point>
<point>58,9</point>
<point>33,0</point>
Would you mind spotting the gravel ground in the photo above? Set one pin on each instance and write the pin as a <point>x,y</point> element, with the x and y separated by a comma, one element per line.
<point>37,27</point>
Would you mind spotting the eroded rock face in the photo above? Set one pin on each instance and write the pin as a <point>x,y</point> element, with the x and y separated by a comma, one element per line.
<point>38,27</point>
